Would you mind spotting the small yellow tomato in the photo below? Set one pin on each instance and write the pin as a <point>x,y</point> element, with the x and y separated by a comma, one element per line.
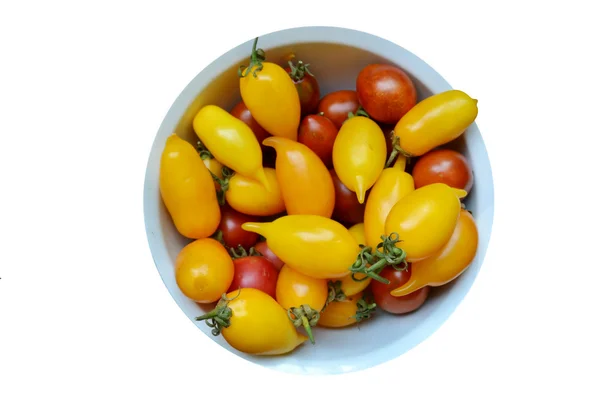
<point>449,262</point>
<point>254,323</point>
<point>435,121</point>
<point>348,285</point>
<point>249,197</point>
<point>339,314</point>
<point>359,154</point>
<point>204,270</point>
<point>424,219</point>
<point>313,245</point>
<point>271,96</point>
<point>187,190</point>
<point>392,185</point>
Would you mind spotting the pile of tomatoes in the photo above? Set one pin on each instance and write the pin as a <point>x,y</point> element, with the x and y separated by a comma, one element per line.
<point>307,210</point>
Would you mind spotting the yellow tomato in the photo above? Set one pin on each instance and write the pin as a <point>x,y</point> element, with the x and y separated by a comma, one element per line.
<point>250,197</point>
<point>187,190</point>
<point>313,245</point>
<point>449,262</point>
<point>230,141</point>
<point>305,182</point>
<point>424,219</point>
<point>435,121</point>
<point>359,154</point>
<point>252,322</point>
<point>339,314</point>
<point>392,185</point>
<point>271,96</point>
<point>204,270</point>
<point>349,286</point>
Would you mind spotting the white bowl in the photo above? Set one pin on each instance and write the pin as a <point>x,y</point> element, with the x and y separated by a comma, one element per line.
<point>336,56</point>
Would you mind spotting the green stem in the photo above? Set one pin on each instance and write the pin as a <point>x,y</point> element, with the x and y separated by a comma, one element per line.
<point>256,58</point>
<point>297,71</point>
<point>220,316</point>
<point>203,151</point>
<point>304,316</point>
<point>396,149</point>
<point>359,113</point>
<point>240,252</point>
<point>223,183</point>
<point>386,253</point>
<point>364,309</point>
<point>335,293</point>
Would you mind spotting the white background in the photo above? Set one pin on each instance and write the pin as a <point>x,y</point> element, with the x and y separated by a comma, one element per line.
<point>83,89</point>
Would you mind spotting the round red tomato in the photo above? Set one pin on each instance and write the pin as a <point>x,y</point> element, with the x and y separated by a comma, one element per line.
<point>306,85</point>
<point>254,272</point>
<point>337,105</point>
<point>397,305</point>
<point>264,249</point>
<point>347,209</point>
<point>443,166</point>
<point>385,92</point>
<point>318,133</point>
<point>231,229</point>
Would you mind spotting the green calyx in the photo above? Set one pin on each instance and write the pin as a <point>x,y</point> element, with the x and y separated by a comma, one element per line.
<point>386,253</point>
<point>298,71</point>
<point>304,316</point>
<point>361,112</point>
<point>240,252</point>
<point>220,316</point>
<point>256,59</point>
<point>335,293</point>
<point>396,149</point>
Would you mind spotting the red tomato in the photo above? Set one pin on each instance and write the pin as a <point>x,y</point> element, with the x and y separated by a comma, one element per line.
<point>397,305</point>
<point>347,209</point>
<point>337,105</point>
<point>306,85</point>
<point>231,228</point>
<point>254,272</point>
<point>443,166</point>
<point>241,112</point>
<point>264,249</point>
<point>385,92</point>
<point>318,133</point>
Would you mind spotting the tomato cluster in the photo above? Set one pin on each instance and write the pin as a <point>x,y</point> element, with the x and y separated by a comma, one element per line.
<point>361,209</point>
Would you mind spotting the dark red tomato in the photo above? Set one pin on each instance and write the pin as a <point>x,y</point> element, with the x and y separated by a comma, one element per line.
<point>443,166</point>
<point>264,249</point>
<point>385,92</point>
<point>254,272</point>
<point>347,209</point>
<point>241,112</point>
<point>307,87</point>
<point>337,105</point>
<point>397,305</point>
<point>318,133</point>
<point>231,228</point>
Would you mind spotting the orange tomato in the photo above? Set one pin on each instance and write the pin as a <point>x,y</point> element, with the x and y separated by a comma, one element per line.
<point>250,197</point>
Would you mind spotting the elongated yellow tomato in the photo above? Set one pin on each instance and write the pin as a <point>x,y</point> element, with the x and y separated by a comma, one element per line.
<point>252,322</point>
<point>303,296</point>
<point>203,270</point>
<point>448,263</point>
<point>435,121</point>
<point>230,141</point>
<point>348,285</point>
<point>187,190</point>
<point>250,197</point>
<point>270,95</point>
<point>392,185</point>
<point>313,245</point>
<point>424,219</point>
<point>304,180</point>
<point>339,314</point>
<point>359,154</point>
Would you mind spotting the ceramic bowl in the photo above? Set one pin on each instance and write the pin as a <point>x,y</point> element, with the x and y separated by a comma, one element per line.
<point>336,56</point>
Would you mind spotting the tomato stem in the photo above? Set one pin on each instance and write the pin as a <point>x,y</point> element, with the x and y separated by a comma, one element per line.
<point>297,71</point>
<point>223,183</point>
<point>304,316</point>
<point>256,58</point>
<point>335,293</point>
<point>364,309</point>
<point>360,112</point>
<point>240,252</point>
<point>371,265</point>
<point>220,316</point>
<point>203,151</point>
<point>396,149</point>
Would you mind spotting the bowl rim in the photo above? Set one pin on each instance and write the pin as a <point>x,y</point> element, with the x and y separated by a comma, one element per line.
<point>413,65</point>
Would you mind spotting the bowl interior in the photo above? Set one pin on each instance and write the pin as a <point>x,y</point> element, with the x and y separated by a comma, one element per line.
<point>336,56</point>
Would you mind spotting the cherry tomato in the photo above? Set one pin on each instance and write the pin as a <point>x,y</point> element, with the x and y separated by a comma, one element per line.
<point>347,208</point>
<point>397,305</point>
<point>339,314</point>
<point>263,248</point>
<point>443,166</point>
<point>385,92</point>
<point>305,183</point>
<point>337,105</point>
<point>306,85</point>
<point>253,322</point>
<point>187,190</point>
<point>318,133</point>
<point>203,270</point>
<point>255,272</point>
<point>250,197</point>
<point>231,229</point>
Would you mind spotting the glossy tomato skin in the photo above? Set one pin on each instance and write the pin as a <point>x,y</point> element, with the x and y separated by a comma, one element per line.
<point>241,112</point>
<point>318,133</point>
<point>308,91</point>
<point>337,105</point>
<point>254,272</point>
<point>443,166</point>
<point>385,92</point>
<point>247,196</point>
<point>397,305</point>
<point>263,248</point>
<point>231,229</point>
<point>347,208</point>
